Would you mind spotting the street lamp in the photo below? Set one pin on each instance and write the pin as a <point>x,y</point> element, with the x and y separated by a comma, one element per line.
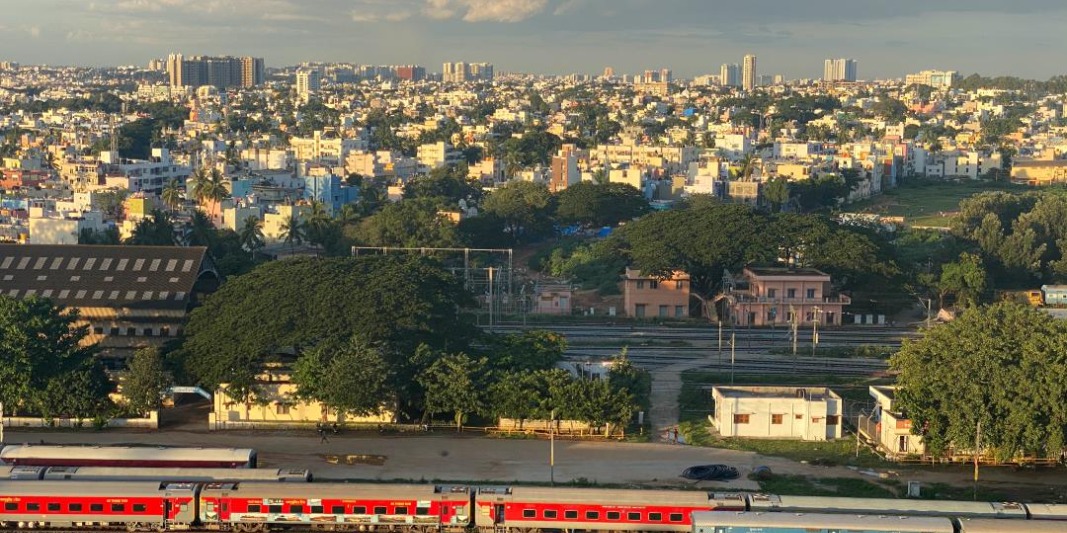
<point>814,329</point>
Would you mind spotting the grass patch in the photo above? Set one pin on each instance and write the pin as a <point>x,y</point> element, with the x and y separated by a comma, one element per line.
<point>832,486</point>
<point>870,351</point>
<point>925,202</point>
<point>944,491</point>
<point>629,343</point>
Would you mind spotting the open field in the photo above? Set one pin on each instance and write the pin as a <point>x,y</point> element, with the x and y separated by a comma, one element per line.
<point>928,202</point>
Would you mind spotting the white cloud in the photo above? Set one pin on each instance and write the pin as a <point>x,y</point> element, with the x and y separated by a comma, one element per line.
<point>398,16</point>
<point>439,9</point>
<point>34,31</point>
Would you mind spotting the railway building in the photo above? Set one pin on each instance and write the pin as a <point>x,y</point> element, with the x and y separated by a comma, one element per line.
<point>804,413</point>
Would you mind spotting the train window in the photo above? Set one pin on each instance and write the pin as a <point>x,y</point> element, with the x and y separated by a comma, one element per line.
<point>96,507</point>
<point>140,507</point>
<point>298,509</point>
<point>118,507</point>
<point>655,517</point>
<point>380,510</point>
<point>675,517</point>
<point>592,515</point>
<point>359,510</point>
<point>422,511</point>
<point>11,506</point>
<point>53,507</point>
<point>550,513</point>
<point>253,508</point>
<point>614,515</point>
<point>633,516</point>
<point>274,508</point>
<point>400,510</point>
<point>74,507</point>
<point>316,508</point>
<point>337,509</point>
<point>570,515</point>
<point>529,513</point>
<point>33,507</point>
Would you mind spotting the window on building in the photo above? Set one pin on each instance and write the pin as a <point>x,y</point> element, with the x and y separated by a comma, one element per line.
<point>771,293</point>
<point>679,284</point>
<point>570,514</point>
<point>529,513</point>
<point>655,517</point>
<point>777,419</point>
<point>139,508</point>
<point>400,510</point>
<point>799,417</point>
<point>317,509</point>
<point>148,332</point>
<point>380,510</point>
<point>298,509</point>
<point>99,330</point>
<point>550,513</point>
<point>54,507</point>
<point>592,515</point>
<point>359,509</point>
<point>790,293</point>
<point>253,508</point>
<point>811,293</point>
<point>337,509</point>
<point>164,331</point>
<point>809,316</point>
<point>130,332</point>
<point>663,311</point>
<point>93,507</point>
<point>653,284</point>
<point>274,509</point>
<point>639,310</point>
<point>679,311</point>
<point>114,331</point>
<point>118,508</point>
<point>635,516</point>
<point>833,420</point>
<point>614,515</point>
<point>640,284</point>
<point>11,506</point>
<point>741,419</point>
<point>675,517</point>
<point>282,408</point>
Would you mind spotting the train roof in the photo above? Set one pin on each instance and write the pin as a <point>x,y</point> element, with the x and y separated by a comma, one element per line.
<point>1048,511</point>
<point>124,489</point>
<point>886,505</point>
<point>612,496</point>
<point>17,452</point>
<point>88,473</point>
<point>790,521</point>
<point>371,491</point>
<point>993,525</point>
<point>21,472</point>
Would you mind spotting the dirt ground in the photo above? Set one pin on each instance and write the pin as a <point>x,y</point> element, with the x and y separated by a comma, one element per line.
<point>445,456</point>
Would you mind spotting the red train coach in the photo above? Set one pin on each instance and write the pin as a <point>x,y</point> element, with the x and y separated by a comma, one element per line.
<point>339,506</point>
<point>57,504</point>
<point>542,508</point>
<point>127,456</point>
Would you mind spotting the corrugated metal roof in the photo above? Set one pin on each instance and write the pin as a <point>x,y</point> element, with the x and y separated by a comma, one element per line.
<point>612,496</point>
<point>340,490</point>
<point>147,453</point>
<point>101,276</point>
<point>124,489</point>
<point>822,522</point>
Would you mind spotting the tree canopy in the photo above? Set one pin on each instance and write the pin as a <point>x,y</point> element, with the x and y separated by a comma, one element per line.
<point>594,204</point>
<point>401,302</point>
<point>1004,366</point>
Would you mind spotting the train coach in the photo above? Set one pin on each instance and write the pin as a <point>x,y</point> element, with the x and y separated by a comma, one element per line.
<point>886,506</point>
<point>544,508</point>
<point>750,522</point>
<point>127,456</point>
<point>132,506</point>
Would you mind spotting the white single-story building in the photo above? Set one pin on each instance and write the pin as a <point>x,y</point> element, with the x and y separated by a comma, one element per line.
<point>888,427</point>
<point>804,413</point>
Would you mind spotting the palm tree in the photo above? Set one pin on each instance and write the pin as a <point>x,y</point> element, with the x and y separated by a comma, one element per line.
<point>216,190</point>
<point>172,194</point>
<point>293,232</point>
<point>201,184</point>
<point>349,214</point>
<point>201,231</point>
<point>252,234</point>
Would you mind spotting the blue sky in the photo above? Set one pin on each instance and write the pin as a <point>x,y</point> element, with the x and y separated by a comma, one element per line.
<point>790,37</point>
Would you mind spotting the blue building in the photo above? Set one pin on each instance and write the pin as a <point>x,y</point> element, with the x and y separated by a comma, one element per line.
<point>329,190</point>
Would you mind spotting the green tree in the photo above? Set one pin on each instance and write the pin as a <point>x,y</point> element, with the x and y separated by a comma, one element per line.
<point>293,231</point>
<point>608,204</point>
<point>401,302</point>
<point>516,395</point>
<point>156,229</point>
<point>1003,366</point>
<point>410,223</point>
<point>145,380</point>
<point>527,351</point>
<point>776,192</point>
<point>524,207</point>
<point>453,384</point>
<point>350,378</point>
<point>172,195</point>
<point>448,184</point>
<point>40,350</point>
<point>964,279</point>
<point>252,237</point>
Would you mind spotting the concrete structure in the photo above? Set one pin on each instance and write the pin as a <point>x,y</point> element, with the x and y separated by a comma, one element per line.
<point>652,297</point>
<point>275,405</point>
<point>938,79</point>
<point>66,228</point>
<point>888,428</point>
<point>439,154</point>
<point>129,296</point>
<point>307,82</point>
<point>552,299</point>
<point>1035,172</point>
<point>220,72</point>
<point>842,69</point>
<point>773,294</point>
<point>730,75</point>
<point>748,73</point>
<point>326,147</point>
<point>804,413</point>
<point>564,171</point>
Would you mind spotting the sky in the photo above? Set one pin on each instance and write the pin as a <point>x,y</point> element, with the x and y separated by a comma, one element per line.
<point>888,38</point>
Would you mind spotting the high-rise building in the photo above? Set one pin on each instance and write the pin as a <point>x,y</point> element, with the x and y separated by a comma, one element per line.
<point>221,72</point>
<point>748,73</point>
<point>410,72</point>
<point>842,69</point>
<point>666,76</point>
<point>461,72</point>
<point>609,73</point>
<point>730,75</point>
<point>307,82</point>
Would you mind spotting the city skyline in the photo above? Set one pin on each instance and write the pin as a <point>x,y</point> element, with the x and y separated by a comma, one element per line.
<point>693,37</point>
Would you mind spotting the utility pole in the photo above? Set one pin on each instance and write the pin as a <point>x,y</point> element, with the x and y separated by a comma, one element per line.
<point>490,299</point>
<point>552,449</point>
<point>814,329</point>
<point>720,343</point>
<point>1,423</point>
<point>977,453</point>
<point>733,354</point>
